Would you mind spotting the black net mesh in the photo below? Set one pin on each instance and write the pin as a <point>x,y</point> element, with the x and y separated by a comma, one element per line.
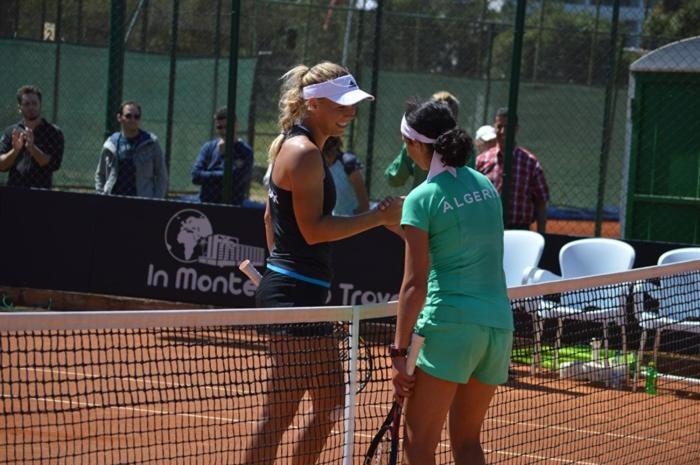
<point>606,373</point>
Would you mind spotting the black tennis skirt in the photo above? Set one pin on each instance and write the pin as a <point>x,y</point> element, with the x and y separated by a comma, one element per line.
<point>278,290</point>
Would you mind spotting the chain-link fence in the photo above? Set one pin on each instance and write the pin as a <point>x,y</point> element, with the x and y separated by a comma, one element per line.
<point>573,104</point>
<point>178,91</point>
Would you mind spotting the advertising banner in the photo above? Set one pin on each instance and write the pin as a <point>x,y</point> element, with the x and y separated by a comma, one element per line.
<point>167,250</point>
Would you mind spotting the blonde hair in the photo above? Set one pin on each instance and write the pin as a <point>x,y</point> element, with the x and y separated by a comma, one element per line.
<point>451,101</point>
<point>291,105</point>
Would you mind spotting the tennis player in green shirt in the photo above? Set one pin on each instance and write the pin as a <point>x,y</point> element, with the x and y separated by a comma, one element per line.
<point>453,291</point>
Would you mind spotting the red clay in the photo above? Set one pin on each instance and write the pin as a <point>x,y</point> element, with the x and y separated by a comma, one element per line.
<point>193,398</point>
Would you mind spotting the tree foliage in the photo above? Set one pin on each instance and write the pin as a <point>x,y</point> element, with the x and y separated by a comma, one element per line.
<point>568,47</point>
<point>444,37</point>
<point>672,20</point>
<point>451,37</point>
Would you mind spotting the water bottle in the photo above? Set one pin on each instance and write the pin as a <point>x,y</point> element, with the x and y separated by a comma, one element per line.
<point>651,375</point>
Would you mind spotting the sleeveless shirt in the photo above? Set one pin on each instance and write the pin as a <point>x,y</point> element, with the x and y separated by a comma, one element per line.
<point>291,254</point>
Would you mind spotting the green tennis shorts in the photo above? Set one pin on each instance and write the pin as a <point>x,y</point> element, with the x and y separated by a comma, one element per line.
<point>459,351</point>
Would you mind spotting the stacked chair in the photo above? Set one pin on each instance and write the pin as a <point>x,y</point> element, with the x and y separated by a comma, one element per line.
<point>606,305</point>
<point>678,299</point>
<point>522,251</point>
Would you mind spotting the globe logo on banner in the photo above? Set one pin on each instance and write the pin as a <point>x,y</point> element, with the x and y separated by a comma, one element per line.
<point>186,235</point>
<point>190,238</point>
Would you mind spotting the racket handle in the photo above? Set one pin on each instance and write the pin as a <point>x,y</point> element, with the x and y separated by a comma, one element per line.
<point>249,270</point>
<point>413,351</point>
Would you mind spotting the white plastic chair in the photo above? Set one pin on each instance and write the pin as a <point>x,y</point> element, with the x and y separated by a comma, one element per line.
<point>679,255</point>
<point>678,298</point>
<point>522,251</point>
<point>588,257</point>
<point>580,258</point>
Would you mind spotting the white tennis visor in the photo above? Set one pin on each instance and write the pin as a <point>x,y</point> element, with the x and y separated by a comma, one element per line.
<point>342,90</point>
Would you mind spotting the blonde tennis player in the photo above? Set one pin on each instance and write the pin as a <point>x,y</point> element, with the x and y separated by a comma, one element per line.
<point>453,292</point>
<point>316,103</point>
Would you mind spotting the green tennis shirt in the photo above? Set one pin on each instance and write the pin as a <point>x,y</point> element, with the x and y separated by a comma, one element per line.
<point>463,218</point>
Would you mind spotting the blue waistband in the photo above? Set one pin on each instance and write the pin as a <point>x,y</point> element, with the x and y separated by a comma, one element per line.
<point>300,277</point>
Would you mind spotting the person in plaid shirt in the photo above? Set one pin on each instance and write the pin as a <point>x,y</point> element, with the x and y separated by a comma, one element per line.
<point>529,192</point>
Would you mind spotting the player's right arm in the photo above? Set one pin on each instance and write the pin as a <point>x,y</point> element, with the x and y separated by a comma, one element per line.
<point>414,287</point>
<point>302,165</point>
<point>414,290</point>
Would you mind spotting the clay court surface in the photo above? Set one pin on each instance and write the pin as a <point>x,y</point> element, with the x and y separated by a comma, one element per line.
<point>582,228</point>
<point>192,397</point>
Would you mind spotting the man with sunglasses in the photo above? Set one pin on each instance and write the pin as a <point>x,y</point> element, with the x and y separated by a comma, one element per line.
<point>208,169</point>
<point>32,149</point>
<point>132,162</point>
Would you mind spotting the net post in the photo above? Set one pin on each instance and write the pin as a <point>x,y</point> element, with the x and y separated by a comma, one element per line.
<point>351,388</point>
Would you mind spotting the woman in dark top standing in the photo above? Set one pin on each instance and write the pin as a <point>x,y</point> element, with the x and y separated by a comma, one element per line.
<point>316,103</point>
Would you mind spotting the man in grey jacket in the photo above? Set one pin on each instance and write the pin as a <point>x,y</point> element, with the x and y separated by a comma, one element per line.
<point>132,162</point>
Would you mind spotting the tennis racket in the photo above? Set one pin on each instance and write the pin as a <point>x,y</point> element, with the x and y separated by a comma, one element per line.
<point>249,270</point>
<point>365,358</point>
<point>384,448</point>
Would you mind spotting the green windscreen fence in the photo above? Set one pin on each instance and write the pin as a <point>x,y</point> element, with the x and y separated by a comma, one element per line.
<point>562,124</point>
<point>79,106</point>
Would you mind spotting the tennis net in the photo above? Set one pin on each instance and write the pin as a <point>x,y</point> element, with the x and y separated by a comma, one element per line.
<point>180,386</point>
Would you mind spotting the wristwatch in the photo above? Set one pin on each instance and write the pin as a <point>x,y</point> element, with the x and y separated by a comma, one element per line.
<point>395,351</point>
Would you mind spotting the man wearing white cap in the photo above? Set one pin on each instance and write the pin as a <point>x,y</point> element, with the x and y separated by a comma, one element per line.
<point>485,139</point>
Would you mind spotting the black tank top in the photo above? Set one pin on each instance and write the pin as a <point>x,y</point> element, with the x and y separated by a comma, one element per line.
<point>291,254</point>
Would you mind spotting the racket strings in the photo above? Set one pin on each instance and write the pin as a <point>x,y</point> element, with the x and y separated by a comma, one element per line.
<point>382,454</point>
<point>365,357</point>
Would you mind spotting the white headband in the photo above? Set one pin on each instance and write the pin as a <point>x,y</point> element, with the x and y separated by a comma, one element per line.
<point>342,90</point>
<point>437,166</point>
<point>409,132</point>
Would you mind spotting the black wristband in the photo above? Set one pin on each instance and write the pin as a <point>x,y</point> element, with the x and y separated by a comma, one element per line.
<point>395,351</point>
